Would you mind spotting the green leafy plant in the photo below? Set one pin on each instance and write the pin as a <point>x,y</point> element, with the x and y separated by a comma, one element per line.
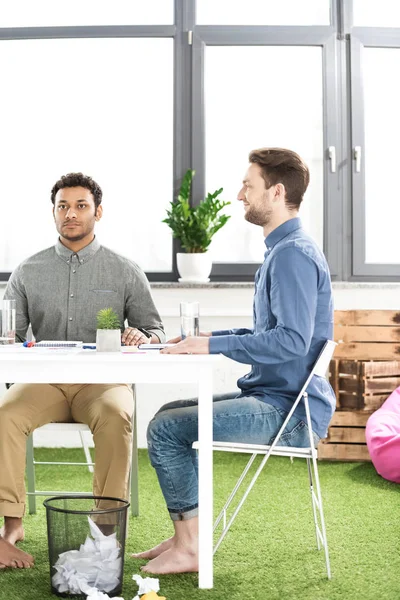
<point>107,318</point>
<point>195,226</point>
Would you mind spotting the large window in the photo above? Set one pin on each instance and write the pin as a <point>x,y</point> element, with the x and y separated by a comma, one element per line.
<point>134,93</point>
<point>89,105</point>
<point>249,112</point>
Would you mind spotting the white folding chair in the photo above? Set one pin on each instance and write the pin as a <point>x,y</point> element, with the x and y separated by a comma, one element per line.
<point>31,463</point>
<point>310,454</point>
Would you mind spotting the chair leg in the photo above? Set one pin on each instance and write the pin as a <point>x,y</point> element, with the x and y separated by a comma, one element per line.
<point>86,450</point>
<point>321,533</point>
<point>316,497</point>
<point>134,464</point>
<point>30,475</point>
<point>233,493</point>
<point>239,506</point>
<point>313,503</point>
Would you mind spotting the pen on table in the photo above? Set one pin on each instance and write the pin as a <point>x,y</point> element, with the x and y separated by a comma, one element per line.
<point>88,347</point>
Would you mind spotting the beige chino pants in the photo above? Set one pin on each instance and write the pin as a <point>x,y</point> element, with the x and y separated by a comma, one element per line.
<point>106,409</point>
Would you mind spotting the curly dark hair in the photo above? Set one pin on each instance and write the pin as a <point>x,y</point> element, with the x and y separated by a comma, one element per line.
<point>78,180</point>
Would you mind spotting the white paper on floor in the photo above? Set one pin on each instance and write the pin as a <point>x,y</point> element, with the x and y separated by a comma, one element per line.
<point>95,594</point>
<point>146,584</point>
<point>97,564</point>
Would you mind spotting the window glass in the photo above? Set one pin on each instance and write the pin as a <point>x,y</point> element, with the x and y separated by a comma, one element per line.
<point>100,106</point>
<point>270,96</point>
<point>382,132</point>
<point>48,13</point>
<point>370,13</point>
<point>263,12</point>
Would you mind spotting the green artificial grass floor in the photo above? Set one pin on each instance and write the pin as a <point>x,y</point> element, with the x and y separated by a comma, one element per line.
<point>270,552</point>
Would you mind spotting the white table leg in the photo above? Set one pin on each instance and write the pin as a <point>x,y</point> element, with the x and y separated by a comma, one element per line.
<point>205,480</point>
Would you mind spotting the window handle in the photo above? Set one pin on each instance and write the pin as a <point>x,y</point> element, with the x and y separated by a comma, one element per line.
<point>332,158</point>
<point>357,158</point>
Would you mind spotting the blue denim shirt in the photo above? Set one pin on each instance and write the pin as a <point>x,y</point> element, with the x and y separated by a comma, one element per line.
<point>293,317</point>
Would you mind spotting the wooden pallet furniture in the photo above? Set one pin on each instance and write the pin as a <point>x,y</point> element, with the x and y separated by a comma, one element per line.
<point>346,438</point>
<point>363,373</point>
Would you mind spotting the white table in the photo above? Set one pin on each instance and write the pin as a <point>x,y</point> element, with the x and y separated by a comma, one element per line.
<point>26,365</point>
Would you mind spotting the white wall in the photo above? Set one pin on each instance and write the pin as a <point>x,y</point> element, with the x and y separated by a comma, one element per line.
<point>223,307</point>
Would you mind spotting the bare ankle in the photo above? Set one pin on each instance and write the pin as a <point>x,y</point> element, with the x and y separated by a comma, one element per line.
<point>13,523</point>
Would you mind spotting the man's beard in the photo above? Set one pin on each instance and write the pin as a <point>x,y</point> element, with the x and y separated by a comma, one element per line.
<point>258,217</point>
<point>75,237</point>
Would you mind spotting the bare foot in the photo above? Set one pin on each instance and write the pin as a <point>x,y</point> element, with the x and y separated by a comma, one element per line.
<point>10,556</point>
<point>173,560</point>
<point>156,551</point>
<point>12,530</point>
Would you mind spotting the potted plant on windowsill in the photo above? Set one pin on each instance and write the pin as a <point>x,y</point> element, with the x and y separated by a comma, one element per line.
<point>194,227</point>
<point>108,335</point>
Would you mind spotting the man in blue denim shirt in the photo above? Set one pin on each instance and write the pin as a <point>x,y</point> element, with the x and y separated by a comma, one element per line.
<point>293,317</point>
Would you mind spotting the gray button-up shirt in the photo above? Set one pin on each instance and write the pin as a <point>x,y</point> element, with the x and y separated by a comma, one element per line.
<point>60,292</point>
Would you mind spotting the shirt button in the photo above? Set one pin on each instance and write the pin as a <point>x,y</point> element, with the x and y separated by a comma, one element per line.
<point>71,295</point>
<point>73,270</point>
<point>70,318</point>
<point>81,261</point>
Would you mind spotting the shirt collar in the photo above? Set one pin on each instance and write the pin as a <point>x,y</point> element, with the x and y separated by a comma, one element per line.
<point>282,231</point>
<point>83,255</point>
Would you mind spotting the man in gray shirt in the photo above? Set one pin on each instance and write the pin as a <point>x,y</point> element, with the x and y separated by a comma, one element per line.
<point>59,292</point>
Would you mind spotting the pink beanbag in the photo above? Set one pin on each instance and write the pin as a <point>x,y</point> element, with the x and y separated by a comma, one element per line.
<point>383,438</point>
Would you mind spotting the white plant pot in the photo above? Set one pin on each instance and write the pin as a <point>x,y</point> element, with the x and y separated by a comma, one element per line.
<point>108,340</point>
<point>195,267</point>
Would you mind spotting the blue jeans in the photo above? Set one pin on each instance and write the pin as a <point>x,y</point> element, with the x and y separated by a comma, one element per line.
<point>173,430</point>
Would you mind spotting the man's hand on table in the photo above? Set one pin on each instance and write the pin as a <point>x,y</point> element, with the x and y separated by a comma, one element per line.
<point>191,345</point>
<point>134,337</point>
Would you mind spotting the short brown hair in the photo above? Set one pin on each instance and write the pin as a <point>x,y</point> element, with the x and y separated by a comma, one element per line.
<point>279,165</point>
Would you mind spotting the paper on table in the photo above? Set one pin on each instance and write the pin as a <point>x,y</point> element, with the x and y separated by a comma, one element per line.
<point>97,564</point>
<point>154,346</point>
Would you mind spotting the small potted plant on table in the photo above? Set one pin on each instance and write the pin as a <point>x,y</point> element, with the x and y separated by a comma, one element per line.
<point>108,335</point>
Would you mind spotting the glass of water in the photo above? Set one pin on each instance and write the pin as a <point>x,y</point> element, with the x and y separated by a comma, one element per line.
<point>189,312</point>
<point>8,319</point>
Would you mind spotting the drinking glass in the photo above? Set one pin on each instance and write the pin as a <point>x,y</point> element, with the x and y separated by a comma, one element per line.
<point>189,312</point>
<point>8,318</point>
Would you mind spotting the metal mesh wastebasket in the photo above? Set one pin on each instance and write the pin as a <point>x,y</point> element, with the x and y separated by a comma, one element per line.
<point>86,540</point>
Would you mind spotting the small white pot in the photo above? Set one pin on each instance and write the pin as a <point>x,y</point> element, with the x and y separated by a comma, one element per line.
<point>108,340</point>
<point>194,267</point>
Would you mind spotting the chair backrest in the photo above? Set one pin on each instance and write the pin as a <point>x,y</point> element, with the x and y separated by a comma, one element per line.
<point>321,365</point>
<point>323,360</point>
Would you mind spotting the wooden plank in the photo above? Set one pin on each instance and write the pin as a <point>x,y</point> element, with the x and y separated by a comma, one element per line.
<point>368,351</point>
<point>343,452</point>
<point>374,402</point>
<point>348,367</point>
<point>351,386</point>
<point>333,379</point>
<point>349,418</point>
<point>351,401</point>
<point>365,333</point>
<point>381,385</point>
<point>352,435</point>
<point>367,317</point>
<point>381,368</point>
